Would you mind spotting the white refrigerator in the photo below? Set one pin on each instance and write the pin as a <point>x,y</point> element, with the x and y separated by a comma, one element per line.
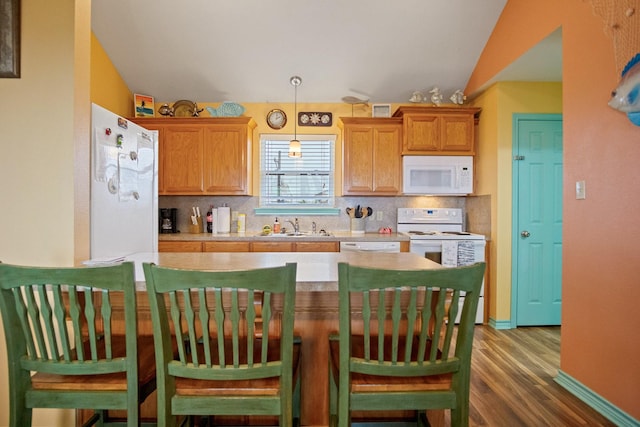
<point>124,187</point>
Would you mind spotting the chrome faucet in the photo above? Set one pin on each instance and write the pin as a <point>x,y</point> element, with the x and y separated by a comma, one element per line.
<point>313,227</point>
<point>296,225</point>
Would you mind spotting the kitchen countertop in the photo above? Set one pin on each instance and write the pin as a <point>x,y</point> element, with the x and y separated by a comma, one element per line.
<point>338,236</point>
<point>316,271</point>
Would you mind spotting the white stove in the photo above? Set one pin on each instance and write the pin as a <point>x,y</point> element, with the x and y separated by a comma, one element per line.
<point>438,234</point>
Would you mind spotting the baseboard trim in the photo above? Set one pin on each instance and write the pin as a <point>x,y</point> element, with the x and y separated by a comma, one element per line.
<point>499,324</point>
<point>597,402</point>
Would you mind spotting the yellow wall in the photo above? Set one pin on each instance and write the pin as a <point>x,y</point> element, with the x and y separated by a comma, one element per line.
<point>494,165</point>
<point>107,87</point>
<point>600,291</point>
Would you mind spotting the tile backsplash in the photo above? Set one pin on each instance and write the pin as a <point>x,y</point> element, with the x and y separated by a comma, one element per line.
<point>341,222</point>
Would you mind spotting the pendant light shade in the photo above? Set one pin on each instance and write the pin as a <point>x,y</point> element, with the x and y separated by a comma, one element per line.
<point>295,148</point>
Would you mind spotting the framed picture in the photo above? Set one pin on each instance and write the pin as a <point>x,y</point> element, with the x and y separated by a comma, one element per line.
<point>143,105</point>
<point>381,110</point>
<point>10,38</point>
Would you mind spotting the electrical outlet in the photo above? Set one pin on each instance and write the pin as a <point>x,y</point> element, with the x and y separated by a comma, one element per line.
<point>581,190</point>
<point>379,215</point>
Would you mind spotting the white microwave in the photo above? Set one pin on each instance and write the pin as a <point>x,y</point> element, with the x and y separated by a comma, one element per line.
<point>437,175</point>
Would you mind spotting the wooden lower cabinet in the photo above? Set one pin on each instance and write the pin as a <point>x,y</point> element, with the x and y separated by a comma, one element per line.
<point>247,246</point>
<point>317,246</point>
<point>179,246</point>
<point>240,246</point>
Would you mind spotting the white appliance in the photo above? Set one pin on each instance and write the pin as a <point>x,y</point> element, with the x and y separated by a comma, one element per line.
<point>438,234</point>
<point>441,175</point>
<point>124,187</point>
<point>370,247</point>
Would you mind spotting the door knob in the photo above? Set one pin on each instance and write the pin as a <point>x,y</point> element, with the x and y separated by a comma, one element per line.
<point>525,234</point>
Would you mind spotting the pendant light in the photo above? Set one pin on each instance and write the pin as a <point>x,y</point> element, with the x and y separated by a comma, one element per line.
<point>295,149</point>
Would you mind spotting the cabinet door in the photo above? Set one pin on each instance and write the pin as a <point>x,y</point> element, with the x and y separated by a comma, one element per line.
<point>225,246</point>
<point>457,133</point>
<point>358,160</point>
<point>272,247</point>
<point>179,246</point>
<point>387,163</point>
<point>372,157</point>
<point>317,247</point>
<point>182,160</point>
<point>225,154</point>
<point>422,133</point>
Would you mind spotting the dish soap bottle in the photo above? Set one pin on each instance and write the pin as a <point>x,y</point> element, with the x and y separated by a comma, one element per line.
<point>276,226</point>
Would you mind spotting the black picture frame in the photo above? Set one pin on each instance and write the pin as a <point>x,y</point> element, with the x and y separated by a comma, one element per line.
<point>9,38</point>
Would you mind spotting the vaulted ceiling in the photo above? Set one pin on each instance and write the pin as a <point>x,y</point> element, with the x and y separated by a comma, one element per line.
<point>246,50</point>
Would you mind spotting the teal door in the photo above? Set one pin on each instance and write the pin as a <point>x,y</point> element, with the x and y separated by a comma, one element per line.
<point>537,219</point>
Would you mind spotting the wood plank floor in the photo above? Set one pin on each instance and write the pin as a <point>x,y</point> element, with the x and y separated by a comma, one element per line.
<point>512,381</point>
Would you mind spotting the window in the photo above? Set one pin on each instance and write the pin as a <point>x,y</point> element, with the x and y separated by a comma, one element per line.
<point>306,182</point>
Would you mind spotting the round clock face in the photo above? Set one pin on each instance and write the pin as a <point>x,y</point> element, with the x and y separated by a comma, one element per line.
<point>276,119</point>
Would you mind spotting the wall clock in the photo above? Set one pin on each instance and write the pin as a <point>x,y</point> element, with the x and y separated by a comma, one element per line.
<point>276,119</point>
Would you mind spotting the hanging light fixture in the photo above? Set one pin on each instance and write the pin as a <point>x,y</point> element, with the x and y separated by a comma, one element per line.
<point>295,149</point>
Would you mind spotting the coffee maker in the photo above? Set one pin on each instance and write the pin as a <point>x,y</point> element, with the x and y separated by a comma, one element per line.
<point>168,220</point>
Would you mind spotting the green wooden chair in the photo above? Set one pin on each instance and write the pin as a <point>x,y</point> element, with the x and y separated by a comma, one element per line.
<point>46,313</point>
<point>397,348</point>
<point>225,343</point>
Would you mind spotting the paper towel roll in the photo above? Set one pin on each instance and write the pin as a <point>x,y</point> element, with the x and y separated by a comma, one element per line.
<point>224,219</point>
<point>214,221</point>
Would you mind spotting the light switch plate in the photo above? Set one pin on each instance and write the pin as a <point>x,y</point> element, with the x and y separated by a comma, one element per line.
<point>581,190</point>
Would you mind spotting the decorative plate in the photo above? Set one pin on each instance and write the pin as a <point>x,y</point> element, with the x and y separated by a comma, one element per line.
<point>315,118</point>
<point>183,108</point>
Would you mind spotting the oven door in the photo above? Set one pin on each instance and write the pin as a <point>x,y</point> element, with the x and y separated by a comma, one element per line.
<point>430,249</point>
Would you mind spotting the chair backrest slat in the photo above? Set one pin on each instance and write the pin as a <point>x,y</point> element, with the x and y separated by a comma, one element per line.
<point>412,313</point>
<point>203,314</point>
<point>176,318</point>
<point>266,319</point>
<point>235,327</point>
<point>366,320</point>
<point>46,314</point>
<point>106,311</point>
<point>75,313</point>
<point>219,315</point>
<point>251,329</point>
<point>90,314</point>
<point>34,315</point>
<point>189,317</point>
<point>60,313</point>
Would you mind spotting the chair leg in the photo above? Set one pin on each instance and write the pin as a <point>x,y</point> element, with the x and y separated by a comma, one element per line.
<point>20,417</point>
<point>333,398</point>
<point>296,403</point>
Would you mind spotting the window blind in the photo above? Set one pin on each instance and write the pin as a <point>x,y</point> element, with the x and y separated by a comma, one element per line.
<point>304,181</point>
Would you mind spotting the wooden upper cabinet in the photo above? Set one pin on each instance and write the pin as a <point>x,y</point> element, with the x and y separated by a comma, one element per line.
<point>182,159</point>
<point>203,156</point>
<point>226,151</point>
<point>438,130</point>
<point>372,162</point>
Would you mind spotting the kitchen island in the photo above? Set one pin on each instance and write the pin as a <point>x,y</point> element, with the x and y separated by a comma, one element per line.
<point>316,304</point>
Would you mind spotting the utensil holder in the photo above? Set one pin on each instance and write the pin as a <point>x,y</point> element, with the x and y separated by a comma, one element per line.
<point>357,225</point>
